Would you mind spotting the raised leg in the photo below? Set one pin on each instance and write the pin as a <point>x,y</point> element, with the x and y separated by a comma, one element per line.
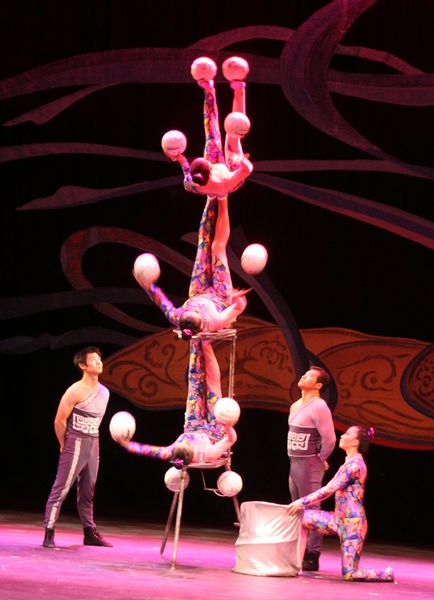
<point>203,71</point>
<point>213,150</point>
<point>235,69</point>
<point>202,274</point>
<point>222,282</point>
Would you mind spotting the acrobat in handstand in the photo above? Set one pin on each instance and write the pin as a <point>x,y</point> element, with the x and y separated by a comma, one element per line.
<point>219,172</point>
<point>213,305</point>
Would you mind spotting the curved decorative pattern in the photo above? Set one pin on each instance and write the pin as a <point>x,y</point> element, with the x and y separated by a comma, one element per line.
<point>417,384</point>
<point>367,372</point>
<point>385,382</point>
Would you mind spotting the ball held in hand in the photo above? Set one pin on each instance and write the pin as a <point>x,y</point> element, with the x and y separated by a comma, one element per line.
<point>122,426</point>
<point>146,269</point>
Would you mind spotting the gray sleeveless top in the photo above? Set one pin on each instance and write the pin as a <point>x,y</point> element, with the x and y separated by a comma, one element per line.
<point>303,440</point>
<point>87,415</point>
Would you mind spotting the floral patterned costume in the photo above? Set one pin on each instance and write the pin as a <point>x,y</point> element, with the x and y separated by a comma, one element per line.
<point>210,294</point>
<point>231,166</point>
<point>348,520</point>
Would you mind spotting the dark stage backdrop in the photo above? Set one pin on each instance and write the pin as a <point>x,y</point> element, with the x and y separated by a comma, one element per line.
<point>341,196</point>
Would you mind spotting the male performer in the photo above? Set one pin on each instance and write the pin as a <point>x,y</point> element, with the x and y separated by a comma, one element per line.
<point>77,422</point>
<point>311,439</point>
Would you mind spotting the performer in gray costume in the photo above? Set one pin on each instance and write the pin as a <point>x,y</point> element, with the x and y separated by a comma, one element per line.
<point>76,424</point>
<point>311,439</point>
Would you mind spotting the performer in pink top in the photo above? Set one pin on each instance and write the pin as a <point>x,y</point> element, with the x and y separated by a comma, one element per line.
<point>219,172</point>
<point>348,520</point>
<point>212,305</point>
<point>197,444</point>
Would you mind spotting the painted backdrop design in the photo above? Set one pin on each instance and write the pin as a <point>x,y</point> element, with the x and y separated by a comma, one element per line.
<point>330,88</point>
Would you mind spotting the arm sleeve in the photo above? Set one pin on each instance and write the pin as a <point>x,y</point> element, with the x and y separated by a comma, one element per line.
<point>161,452</point>
<point>346,475</point>
<point>189,186</point>
<point>167,307</point>
<point>323,421</point>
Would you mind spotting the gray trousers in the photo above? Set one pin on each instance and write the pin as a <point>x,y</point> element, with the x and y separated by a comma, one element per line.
<point>79,462</point>
<point>305,477</point>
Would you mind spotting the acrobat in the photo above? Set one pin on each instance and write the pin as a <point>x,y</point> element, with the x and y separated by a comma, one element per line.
<point>218,173</point>
<point>213,305</point>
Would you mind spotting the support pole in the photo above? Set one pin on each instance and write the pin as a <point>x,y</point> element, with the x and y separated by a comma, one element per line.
<point>169,522</point>
<point>178,516</point>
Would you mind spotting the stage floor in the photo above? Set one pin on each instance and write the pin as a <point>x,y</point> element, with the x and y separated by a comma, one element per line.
<point>134,570</point>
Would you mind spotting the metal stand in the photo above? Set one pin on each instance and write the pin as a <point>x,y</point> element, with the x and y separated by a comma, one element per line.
<point>178,497</point>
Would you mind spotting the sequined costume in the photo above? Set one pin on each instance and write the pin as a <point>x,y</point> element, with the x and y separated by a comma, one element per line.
<point>348,520</point>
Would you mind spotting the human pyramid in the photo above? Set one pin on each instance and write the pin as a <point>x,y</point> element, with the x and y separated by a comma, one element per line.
<point>212,307</point>
<point>213,304</point>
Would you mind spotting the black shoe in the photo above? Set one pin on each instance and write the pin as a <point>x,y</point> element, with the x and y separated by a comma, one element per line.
<point>311,561</point>
<point>92,537</point>
<point>49,538</point>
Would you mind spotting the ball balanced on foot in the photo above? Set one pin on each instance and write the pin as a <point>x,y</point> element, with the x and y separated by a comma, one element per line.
<point>203,69</point>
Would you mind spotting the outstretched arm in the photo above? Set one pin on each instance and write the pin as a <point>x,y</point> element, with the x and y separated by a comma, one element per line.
<point>346,475</point>
<point>185,165</point>
<point>161,452</point>
<point>167,307</point>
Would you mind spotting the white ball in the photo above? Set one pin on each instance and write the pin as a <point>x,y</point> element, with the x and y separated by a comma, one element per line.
<point>237,123</point>
<point>122,426</point>
<point>173,143</point>
<point>227,411</point>
<point>172,479</point>
<point>235,68</point>
<point>254,258</point>
<point>229,483</point>
<point>203,68</point>
<point>146,269</point>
